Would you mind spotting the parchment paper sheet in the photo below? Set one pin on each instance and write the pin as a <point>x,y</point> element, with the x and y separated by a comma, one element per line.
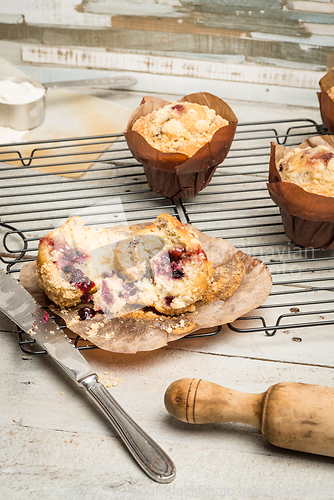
<point>146,330</point>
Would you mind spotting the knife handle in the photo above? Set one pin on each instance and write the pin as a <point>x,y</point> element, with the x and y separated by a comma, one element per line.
<point>148,454</point>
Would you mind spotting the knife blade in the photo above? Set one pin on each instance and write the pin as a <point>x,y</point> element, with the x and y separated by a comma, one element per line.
<point>116,82</point>
<point>18,305</point>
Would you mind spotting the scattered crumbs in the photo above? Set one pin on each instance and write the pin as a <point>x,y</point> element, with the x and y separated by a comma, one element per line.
<point>94,329</point>
<point>71,322</point>
<point>115,382</point>
<point>62,394</point>
<point>108,385</point>
<point>169,329</point>
<point>105,373</point>
<point>294,310</point>
<point>297,339</point>
<point>321,317</point>
<point>286,331</point>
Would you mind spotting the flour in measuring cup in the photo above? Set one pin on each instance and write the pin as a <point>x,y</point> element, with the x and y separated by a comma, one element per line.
<point>16,93</point>
<point>19,93</point>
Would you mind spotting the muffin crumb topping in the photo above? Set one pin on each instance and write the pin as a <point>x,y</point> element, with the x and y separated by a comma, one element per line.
<point>311,168</point>
<point>179,127</point>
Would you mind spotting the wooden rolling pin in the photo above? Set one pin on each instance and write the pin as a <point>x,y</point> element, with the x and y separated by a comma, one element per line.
<point>289,415</point>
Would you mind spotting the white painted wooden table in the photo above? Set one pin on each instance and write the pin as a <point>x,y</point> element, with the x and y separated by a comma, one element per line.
<point>55,445</point>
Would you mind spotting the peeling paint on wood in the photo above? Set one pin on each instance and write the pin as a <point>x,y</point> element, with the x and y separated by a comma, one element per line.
<point>296,32</point>
<point>134,40</point>
<point>57,12</point>
<point>120,7</point>
<point>171,66</point>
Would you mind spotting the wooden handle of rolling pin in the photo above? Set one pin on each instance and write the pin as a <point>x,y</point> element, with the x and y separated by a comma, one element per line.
<point>290,415</point>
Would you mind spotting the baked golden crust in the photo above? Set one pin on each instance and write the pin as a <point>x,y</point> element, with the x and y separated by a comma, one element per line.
<point>225,281</point>
<point>179,127</point>
<point>120,269</point>
<point>310,168</point>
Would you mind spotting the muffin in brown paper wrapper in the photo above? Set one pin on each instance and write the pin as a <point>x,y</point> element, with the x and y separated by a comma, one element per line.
<point>240,283</point>
<point>177,175</point>
<point>325,102</point>
<point>308,218</point>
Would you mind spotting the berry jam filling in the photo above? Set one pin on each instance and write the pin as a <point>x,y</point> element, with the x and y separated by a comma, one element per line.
<point>49,241</point>
<point>324,156</point>
<point>176,254</point>
<point>76,277</point>
<point>171,264</point>
<point>107,293</point>
<point>177,270</point>
<point>180,253</point>
<point>46,317</point>
<point>74,255</point>
<point>129,290</point>
<point>169,300</point>
<point>178,107</point>
<point>87,313</point>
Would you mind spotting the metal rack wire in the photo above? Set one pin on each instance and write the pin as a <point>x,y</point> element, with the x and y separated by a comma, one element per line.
<point>45,182</point>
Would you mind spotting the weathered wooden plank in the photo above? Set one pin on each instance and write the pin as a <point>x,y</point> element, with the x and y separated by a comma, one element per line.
<point>240,4</point>
<point>326,7</point>
<point>265,75</point>
<point>134,40</point>
<point>57,12</point>
<point>250,15</point>
<point>115,7</point>
<point>211,24</point>
<point>258,14</point>
<point>168,24</point>
<point>320,29</point>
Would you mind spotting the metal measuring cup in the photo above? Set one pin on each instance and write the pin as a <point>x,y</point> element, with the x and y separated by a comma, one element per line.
<point>29,115</point>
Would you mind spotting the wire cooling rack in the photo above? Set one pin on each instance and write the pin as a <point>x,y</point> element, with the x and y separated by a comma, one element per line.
<point>45,182</point>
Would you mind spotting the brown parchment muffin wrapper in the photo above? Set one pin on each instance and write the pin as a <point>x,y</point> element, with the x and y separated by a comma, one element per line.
<point>308,218</point>
<point>176,175</point>
<point>325,102</point>
<point>245,284</point>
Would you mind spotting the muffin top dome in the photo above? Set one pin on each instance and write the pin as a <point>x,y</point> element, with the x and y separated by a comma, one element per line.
<point>179,127</point>
<point>311,168</point>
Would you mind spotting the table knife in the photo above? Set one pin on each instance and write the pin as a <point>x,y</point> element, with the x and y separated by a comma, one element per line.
<point>17,303</point>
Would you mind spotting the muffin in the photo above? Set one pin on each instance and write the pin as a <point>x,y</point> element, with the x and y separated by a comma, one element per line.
<point>301,183</point>
<point>179,127</point>
<point>180,144</point>
<point>326,100</point>
<point>122,269</point>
